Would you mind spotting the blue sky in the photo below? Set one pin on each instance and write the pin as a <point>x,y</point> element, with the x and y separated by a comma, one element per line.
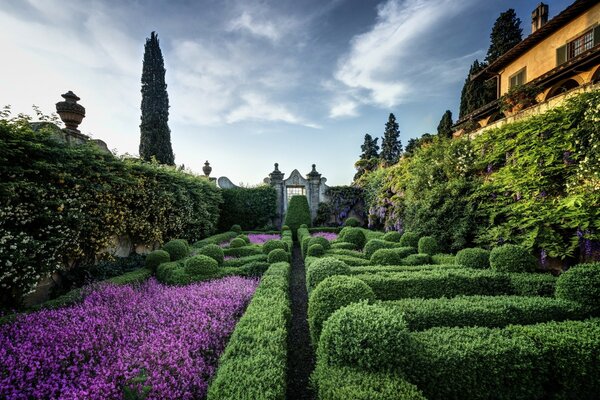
<point>252,83</point>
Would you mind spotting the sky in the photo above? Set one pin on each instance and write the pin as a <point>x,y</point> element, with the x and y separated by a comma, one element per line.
<point>252,82</point>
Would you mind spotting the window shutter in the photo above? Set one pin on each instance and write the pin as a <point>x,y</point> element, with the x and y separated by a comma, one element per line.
<point>561,55</point>
<point>513,81</point>
<point>597,35</point>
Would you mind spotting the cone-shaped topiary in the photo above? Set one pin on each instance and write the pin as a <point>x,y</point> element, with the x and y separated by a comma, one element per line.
<point>297,214</point>
<point>177,249</point>
<point>155,258</point>
<point>213,251</point>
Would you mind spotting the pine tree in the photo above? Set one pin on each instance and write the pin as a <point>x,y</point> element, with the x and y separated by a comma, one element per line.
<point>369,158</point>
<point>506,34</point>
<point>155,140</point>
<point>473,93</point>
<point>444,128</point>
<point>391,147</point>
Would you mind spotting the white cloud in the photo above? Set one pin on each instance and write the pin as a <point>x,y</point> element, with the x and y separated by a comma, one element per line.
<point>344,108</point>
<point>265,29</point>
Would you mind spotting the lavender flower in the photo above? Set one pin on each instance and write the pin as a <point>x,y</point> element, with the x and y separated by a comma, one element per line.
<point>260,238</point>
<point>327,235</point>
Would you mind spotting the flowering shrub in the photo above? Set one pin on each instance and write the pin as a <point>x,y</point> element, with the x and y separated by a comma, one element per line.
<point>169,338</point>
<point>260,238</point>
<point>327,235</point>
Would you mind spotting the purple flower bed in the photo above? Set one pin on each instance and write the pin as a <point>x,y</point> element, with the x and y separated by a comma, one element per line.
<point>92,350</point>
<point>327,235</point>
<point>260,238</point>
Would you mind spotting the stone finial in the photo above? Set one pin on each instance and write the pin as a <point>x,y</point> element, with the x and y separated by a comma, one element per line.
<point>70,112</point>
<point>276,175</point>
<point>207,169</point>
<point>314,173</point>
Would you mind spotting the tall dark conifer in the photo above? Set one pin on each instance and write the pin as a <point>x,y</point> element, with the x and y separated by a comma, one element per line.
<point>444,128</point>
<point>369,158</point>
<point>473,93</point>
<point>506,34</point>
<point>155,135</point>
<point>391,147</point>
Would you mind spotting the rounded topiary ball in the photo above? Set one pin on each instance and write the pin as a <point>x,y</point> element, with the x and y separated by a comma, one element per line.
<point>353,222</point>
<point>213,251</point>
<point>323,268</point>
<point>580,283</point>
<point>273,244</point>
<point>375,244</point>
<point>355,236</point>
<point>417,259</point>
<point>236,228</point>
<point>237,242</point>
<point>201,266</point>
<point>320,240</point>
<point>330,295</point>
<point>392,236</point>
<point>428,245</point>
<point>473,258</point>
<point>409,239</point>
<point>315,250</point>
<point>177,249</point>
<point>285,228</point>
<point>277,255</point>
<point>512,258</point>
<point>155,258</point>
<point>245,238</point>
<point>386,257</point>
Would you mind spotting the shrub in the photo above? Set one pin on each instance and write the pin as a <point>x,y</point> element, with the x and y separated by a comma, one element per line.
<point>277,255</point>
<point>322,268</point>
<point>315,250</point>
<point>298,214</point>
<point>409,239</point>
<point>213,251</point>
<point>580,283</point>
<point>428,245</point>
<point>376,269</point>
<point>473,258</point>
<point>201,266</point>
<point>512,258</point>
<point>254,269</point>
<point>417,259</point>
<point>238,262</point>
<point>392,236</point>
<point>285,228</point>
<point>319,240</point>
<point>528,284</point>
<point>352,222</point>
<point>349,259</point>
<point>165,271</point>
<point>245,238</point>
<point>236,228</point>
<point>237,242</point>
<point>343,245</point>
<point>177,249</point>
<point>155,258</point>
<point>216,239</point>
<point>251,208</point>
<point>244,251</point>
<point>375,244</point>
<point>330,295</point>
<point>272,244</point>
<point>343,252</point>
<point>386,257</point>
<point>443,259</point>
<point>356,237</point>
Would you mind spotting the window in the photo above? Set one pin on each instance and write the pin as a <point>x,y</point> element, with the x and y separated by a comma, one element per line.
<point>295,191</point>
<point>518,78</point>
<point>579,45</point>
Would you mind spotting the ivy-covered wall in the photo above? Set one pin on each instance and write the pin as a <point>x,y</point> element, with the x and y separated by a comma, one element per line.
<point>251,208</point>
<point>61,203</point>
<point>535,182</point>
<point>342,202</point>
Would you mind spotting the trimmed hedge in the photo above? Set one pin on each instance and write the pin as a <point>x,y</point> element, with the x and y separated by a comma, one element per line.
<point>350,260</point>
<point>319,240</point>
<point>355,236</point>
<point>216,239</point>
<point>254,363</point>
<point>375,269</point>
<point>473,258</point>
<point>155,258</point>
<point>200,266</point>
<point>323,268</point>
<point>391,256</point>
<point>273,244</point>
<point>238,262</point>
<point>315,250</point>
<point>392,236</point>
<point>344,252</point>
<point>213,251</point>
<point>330,295</point>
<point>428,245</point>
<point>417,259</point>
<point>277,256</point>
<point>343,245</point>
<point>245,251</point>
<point>580,283</point>
<point>532,284</point>
<point>409,239</point>
<point>236,243</point>
<point>352,222</point>
<point>245,238</point>
<point>298,214</point>
<point>512,258</point>
<point>442,258</point>
<point>177,249</point>
<point>249,207</point>
<point>375,244</point>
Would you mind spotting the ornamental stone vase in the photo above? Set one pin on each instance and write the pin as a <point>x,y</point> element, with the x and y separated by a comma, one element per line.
<point>207,169</point>
<point>70,112</point>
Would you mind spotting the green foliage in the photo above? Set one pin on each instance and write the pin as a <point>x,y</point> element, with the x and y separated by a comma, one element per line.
<point>177,249</point>
<point>254,363</point>
<point>238,262</point>
<point>442,258</point>
<point>376,269</point>
<point>409,239</point>
<point>243,251</point>
<point>213,251</point>
<point>201,266</point>
<point>155,258</point>
<point>473,258</point>
<point>392,236</point>
<point>580,283</point>
<point>528,284</point>
<point>132,277</point>
<point>245,238</point>
<point>236,228</point>
<point>254,269</point>
<point>315,250</point>
<point>386,256</point>
<point>278,255</point>
<point>216,239</point>
<point>298,213</point>
<point>444,128</point>
<point>352,222</point>
<point>349,259</point>
<point>506,34</point>
<point>356,237</point>
<point>248,208</point>
<point>273,244</point>
<point>417,259</point>
<point>428,245</point>
<point>512,258</point>
<point>323,268</point>
<point>391,147</point>
<point>473,94</point>
<point>369,156</point>
<point>324,212</point>
<point>237,242</point>
<point>343,200</point>
<point>320,240</point>
<point>343,245</point>
<point>155,141</point>
<point>344,252</point>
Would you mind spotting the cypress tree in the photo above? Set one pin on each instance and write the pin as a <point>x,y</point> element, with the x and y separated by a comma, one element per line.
<point>368,158</point>
<point>391,147</point>
<point>506,34</point>
<point>444,128</point>
<point>155,135</point>
<point>473,93</point>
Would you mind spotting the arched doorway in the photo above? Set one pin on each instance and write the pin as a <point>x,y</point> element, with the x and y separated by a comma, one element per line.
<point>562,87</point>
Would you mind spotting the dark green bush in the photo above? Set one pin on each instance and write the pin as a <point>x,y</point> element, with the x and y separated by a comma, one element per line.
<point>177,249</point>
<point>237,242</point>
<point>320,240</point>
<point>323,268</point>
<point>315,250</point>
<point>409,239</point>
<point>352,222</point>
<point>392,236</point>
<point>428,245</point>
<point>216,239</point>
<point>131,277</point>
<point>417,259</point>
<point>238,262</point>
<point>251,208</point>
<point>244,251</point>
<point>285,228</point>
<point>330,295</point>
<point>273,244</point>
<point>343,252</point>
<point>528,284</point>
<point>343,245</point>
<point>298,214</point>
<point>580,283</point>
<point>355,236</point>
<point>442,258</point>
<point>386,257</point>
<point>254,269</point>
<point>473,258</point>
<point>200,266</point>
<point>375,244</point>
<point>213,251</point>
<point>166,270</point>
<point>245,238</point>
<point>512,258</point>
<point>155,258</point>
<point>376,269</point>
<point>277,255</point>
<point>349,259</point>
<point>236,228</point>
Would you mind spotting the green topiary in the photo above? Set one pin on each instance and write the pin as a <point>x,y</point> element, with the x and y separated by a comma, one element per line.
<point>343,245</point>
<point>177,249</point>
<point>236,243</point>
<point>245,238</point>
<point>214,252</point>
<point>164,270</point>
<point>155,258</point>
<point>409,239</point>
<point>236,228</point>
<point>285,228</point>
<point>278,255</point>
<point>392,236</point>
<point>254,269</point>
<point>355,236</point>
<point>330,295</point>
<point>428,245</point>
<point>201,266</point>
<point>273,244</point>
<point>375,244</point>
<point>473,258</point>
<point>386,257</point>
<point>512,258</point>
<point>417,259</point>
<point>323,268</point>
<point>353,222</point>
<point>580,283</point>
<point>303,226</point>
<point>315,250</point>
<point>320,240</point>
<point>298,214</point>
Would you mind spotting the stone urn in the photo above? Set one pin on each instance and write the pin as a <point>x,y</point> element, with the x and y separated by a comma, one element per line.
<point>207,168</point>
<point>70,112</point>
